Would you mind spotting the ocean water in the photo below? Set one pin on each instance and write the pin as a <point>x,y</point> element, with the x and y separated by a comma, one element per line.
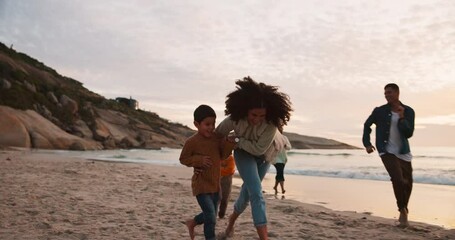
<point>431,165</point>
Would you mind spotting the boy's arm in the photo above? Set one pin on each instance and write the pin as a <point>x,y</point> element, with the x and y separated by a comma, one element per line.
<point>189,159</point>
<point>226,148</point>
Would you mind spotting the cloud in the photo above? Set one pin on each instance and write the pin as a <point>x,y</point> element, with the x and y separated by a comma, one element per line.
<point>437,120</point>
<point>332,57</point>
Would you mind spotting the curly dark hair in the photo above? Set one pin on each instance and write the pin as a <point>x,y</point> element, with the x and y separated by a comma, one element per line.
<point>250,94</point>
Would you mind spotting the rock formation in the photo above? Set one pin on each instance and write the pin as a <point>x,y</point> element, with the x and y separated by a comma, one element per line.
<point>27,129</point>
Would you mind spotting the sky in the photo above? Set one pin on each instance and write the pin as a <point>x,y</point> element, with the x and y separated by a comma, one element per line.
<point>333,58</point>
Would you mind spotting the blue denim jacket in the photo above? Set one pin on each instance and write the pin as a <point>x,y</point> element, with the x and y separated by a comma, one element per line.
<point>381,117</point>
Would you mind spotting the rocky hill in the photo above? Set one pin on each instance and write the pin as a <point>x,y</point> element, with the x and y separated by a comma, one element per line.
<point>39,108</point>
<point>309,142</point>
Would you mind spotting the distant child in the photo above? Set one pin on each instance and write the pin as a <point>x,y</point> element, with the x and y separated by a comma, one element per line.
<point>227,171</point>
<point>203,151</point>
<point>279,163</point>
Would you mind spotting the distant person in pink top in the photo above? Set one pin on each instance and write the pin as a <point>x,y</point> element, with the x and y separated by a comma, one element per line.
<point>279,164</point>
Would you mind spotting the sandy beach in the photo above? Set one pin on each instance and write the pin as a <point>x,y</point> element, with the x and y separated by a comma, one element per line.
<point>44,196</point>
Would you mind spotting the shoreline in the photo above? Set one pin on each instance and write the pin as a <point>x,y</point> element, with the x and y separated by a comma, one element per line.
<point>45,196</point>
<point>369,197</point>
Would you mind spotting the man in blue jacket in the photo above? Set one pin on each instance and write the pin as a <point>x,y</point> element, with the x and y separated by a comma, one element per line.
<point>394,125</point>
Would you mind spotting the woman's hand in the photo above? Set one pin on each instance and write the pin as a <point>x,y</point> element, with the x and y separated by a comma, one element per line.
<point>232,138</point>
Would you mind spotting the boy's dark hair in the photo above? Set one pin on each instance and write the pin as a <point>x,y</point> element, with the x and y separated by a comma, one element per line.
<point>392,86</point>
<point>250,94</point>
<point>203,111</point>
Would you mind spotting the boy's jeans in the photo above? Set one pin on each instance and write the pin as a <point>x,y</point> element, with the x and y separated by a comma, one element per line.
<point>252,169</point>
<point>209,205</point>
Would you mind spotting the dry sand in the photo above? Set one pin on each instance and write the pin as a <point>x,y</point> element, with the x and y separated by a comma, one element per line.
<point>44,196</point>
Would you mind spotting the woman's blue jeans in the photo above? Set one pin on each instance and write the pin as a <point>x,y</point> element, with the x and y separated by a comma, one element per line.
<point>252,170</point>
<point>209,205</point>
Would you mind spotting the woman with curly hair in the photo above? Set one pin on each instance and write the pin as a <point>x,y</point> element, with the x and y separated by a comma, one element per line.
<point>255,111</point>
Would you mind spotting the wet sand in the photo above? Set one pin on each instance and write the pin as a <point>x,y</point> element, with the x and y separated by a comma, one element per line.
<point>432,204</point>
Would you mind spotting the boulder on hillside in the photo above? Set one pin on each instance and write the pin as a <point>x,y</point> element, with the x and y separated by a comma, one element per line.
<point>39,141</point>
<point>128,142</point>
<point>77,146</point>
<point>112,117</point>
<point>12,132</point>
<point>44,134</point>
<point>51,96</point>
<point>101,132</point>
<point>81,129</point>
<point>41,109</point>
<point>30,86</point>
<point>5,84</point>
<point>69,104</point>
<point>117,125</point>
<point>109,143</point>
